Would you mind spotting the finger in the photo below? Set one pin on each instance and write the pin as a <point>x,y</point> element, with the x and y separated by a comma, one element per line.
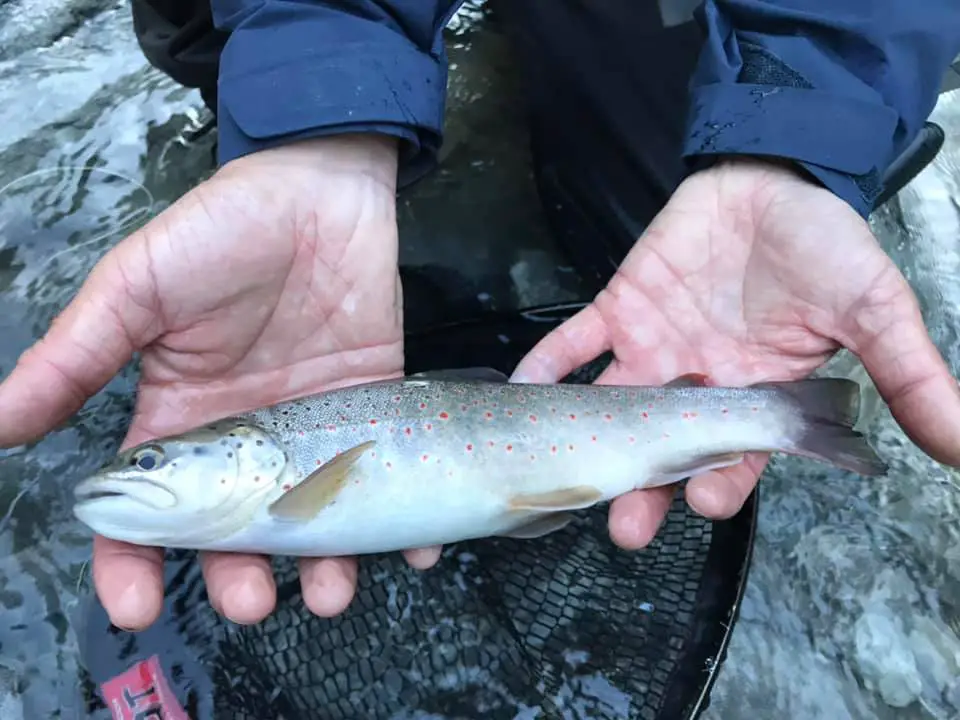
<point>577,341</point>
<point>328,584</point>
<point>719,494</point>
<point>240,586</point>
<point>129,582</point>
<point>911,376</point>
<point>635,517</point>
<point>423,558</point>
<point>86,345</point>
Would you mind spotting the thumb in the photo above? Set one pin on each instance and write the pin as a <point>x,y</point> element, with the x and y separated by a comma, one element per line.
<point>85,346</point>
<point>889,336</point>
<point>561,351</point>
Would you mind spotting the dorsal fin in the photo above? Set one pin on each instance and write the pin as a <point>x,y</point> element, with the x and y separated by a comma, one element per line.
<point>689,380</point>
<point>471,374</point>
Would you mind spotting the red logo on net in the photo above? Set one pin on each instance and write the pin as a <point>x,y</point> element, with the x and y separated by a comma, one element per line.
<point>142,693</point>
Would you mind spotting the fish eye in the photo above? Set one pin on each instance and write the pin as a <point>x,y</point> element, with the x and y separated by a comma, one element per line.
<point>148,458</point>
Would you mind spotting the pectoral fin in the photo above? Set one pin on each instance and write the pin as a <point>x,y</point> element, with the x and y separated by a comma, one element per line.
<point>543,525</point>
<point>472,374</point>
<point>319,488</point>
<point>575,498</point>
<point>695,467</point>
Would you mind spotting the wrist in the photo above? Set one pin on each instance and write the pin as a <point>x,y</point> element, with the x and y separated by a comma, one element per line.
<point>362,154</point>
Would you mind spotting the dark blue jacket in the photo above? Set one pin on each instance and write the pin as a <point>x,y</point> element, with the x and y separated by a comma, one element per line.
<point>838,85</point>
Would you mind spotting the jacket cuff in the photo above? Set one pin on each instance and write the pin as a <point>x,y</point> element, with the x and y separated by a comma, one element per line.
<point>836,138</point>
<point>277,86</point>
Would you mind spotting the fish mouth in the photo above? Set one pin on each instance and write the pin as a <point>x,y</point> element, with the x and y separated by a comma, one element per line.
<point>143,492</point>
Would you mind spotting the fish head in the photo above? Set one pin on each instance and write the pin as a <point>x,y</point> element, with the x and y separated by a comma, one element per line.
<point>160,487</point>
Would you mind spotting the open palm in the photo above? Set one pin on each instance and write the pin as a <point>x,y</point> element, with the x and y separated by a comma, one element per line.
<point>753,273</point>
<point>274,279</point>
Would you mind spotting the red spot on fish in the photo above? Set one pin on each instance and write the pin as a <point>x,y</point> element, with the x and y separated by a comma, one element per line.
<point>533,418</point>
<point>725,411</point>
<point>429,426</point>
<point>319,462</point>
<point>488,415</point>
<point>650,405</point>
<point>469,447</point>
<point>331,428</point>
<point>553,449</point>
<point>572,416</point>
<point>645,414</point>
<point>490,443</point>
<point>608,417</point>
<point>343,418</point>
<point>579,396</point>
<point>509,413</point>
<point>631,439</point>
<point>593,437</point>
<point>396,398</point>
<point>755,409</point>
<point>373,422</point>
<point>686,415</point>
<point>444,416</point>
<point>423,406</point>
<point>300,433</point>
<point>287,486</point>
<point>407,431</point>
<point>509,448</point>
<point>424,458</point>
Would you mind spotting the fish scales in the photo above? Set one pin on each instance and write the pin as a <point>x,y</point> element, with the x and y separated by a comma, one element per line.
<point>433,460</point>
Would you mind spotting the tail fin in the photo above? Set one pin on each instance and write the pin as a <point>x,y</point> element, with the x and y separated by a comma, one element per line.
<point>829,408</point>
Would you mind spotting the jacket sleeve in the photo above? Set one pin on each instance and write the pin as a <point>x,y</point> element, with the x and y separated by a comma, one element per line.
<point>293,69</point>
<point>840,86</point>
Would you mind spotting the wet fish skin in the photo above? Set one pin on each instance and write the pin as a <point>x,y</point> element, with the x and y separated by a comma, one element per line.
<point>449,456</point>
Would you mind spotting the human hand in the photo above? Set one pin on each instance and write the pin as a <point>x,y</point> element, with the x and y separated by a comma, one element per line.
<point>275,278</point>
<point>751,273</point>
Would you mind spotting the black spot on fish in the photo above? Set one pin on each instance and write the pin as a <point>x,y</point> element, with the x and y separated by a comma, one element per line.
<point>199,450</point>
<point>239,445</point>
<point>229,454</point>
<point>259,443</point>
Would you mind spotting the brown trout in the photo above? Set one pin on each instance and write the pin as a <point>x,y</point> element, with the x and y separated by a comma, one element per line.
<point>446,456</point>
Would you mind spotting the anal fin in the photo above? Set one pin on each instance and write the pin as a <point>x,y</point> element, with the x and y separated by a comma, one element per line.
<point>540,526</point>
<point>696,466</point>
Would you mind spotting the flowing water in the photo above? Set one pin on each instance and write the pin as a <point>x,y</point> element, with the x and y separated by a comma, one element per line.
<point>853,604</point>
